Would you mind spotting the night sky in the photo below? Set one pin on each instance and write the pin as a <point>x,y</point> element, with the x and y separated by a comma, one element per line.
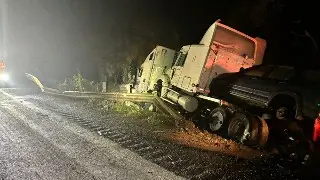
<point>53,38</point>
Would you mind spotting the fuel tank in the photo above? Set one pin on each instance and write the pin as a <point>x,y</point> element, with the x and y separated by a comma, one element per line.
<point>188,103</point>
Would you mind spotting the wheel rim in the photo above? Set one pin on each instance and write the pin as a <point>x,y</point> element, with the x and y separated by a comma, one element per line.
<point>249,130</point>
<point>281,113</point>
<point>216,121</point>
<point>238,130</point>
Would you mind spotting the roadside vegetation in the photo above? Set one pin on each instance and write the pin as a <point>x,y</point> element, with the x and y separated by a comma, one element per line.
<point>79,83</point>
<point>141,111</point>
<point>164,127</point>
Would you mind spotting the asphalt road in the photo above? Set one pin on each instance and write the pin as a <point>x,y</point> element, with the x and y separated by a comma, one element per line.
<point>46,137</point>
<point>38,143</point>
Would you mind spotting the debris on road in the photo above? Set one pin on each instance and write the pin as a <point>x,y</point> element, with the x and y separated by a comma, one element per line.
<point>211,142</point>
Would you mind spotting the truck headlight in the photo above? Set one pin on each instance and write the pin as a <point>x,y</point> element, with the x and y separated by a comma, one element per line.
<point>4,77</point>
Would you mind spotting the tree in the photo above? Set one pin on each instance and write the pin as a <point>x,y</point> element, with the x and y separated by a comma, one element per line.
<point>120,51</point>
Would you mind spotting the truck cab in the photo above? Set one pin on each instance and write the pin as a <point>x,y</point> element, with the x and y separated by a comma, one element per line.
<point>157,63</point>
<point>221,50</point>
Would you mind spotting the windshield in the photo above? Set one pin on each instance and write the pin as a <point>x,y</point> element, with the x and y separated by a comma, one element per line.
<point>180,59</point>
<point>234,42</point>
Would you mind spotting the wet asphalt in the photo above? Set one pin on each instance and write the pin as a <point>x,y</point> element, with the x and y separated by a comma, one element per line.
<point>46,137</point>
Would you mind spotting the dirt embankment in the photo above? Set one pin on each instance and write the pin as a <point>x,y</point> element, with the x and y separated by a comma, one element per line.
<point>186,134</point>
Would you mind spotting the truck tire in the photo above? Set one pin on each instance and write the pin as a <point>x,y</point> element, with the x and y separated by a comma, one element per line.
<point>283,107</point>
<point>281,112</point>
<point>245,129</point>
<point>263,132</point>
<point>217,119</point>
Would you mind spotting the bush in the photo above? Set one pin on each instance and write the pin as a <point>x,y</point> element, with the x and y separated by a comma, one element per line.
<point>129,109</point>
<point>78,83</point>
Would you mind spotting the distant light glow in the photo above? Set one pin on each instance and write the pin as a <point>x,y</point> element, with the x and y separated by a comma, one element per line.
<point>4,77</point>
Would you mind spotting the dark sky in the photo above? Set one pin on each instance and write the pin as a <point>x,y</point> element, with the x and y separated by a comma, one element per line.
<point>53,38</point>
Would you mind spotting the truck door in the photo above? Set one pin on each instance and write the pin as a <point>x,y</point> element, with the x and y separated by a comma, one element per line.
<point>193,67</point>
<point>177,68</point>
<point>146,72</point>
<point>188,73</point>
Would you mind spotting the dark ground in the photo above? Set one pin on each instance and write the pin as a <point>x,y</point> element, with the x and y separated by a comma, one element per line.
<point>46,137</point>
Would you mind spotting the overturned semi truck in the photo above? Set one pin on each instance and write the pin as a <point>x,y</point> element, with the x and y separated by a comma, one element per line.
<point>182,78</point>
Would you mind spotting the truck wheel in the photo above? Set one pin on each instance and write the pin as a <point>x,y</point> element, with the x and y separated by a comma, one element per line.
<point>281,112</point>
<point>217,119</point>
<point>244,128</point>
<point>283,107</point>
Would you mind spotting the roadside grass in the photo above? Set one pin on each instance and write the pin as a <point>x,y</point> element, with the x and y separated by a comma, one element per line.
<point>134,110</point>
<point>164,127</point>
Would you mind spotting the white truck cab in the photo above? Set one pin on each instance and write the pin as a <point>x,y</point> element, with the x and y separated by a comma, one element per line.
<point>183,77</point>
<point>157,62</point>
<point>222,49</point>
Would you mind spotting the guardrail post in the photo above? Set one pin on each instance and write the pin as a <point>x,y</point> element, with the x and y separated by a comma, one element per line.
<point>104,86</point>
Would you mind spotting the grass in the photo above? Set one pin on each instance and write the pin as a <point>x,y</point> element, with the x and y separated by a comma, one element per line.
<point>129,109</point>
<point>135,110</point>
